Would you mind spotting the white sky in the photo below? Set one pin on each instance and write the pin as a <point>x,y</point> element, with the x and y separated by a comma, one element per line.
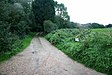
<point>89,11</point>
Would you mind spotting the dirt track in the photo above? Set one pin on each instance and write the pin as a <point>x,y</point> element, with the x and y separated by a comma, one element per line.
<point>41,58</point>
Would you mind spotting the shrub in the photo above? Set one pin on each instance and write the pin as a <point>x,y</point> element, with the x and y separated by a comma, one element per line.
<point>49,26</point>
<point>94,49</point>
<point>16,19</point>
<point>96,52</point>
<point>59,36</point>
<point>7,39</point>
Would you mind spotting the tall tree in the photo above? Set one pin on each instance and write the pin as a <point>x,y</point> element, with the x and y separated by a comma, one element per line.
<point>43,10</point>
<point>61,11</point>
<point>13,25</point>
<point>62,19</point>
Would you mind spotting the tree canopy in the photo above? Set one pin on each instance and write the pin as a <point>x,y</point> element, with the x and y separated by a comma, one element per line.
<point>61,11</point>
<point>43,10</point>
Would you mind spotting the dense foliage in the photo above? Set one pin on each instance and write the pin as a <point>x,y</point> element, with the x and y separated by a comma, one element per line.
<point>94,48</point>
<point>7,39</point>
<point>14,25</point>
<point>43,10</point>
<point>49,26</point>
<point>18,48</point>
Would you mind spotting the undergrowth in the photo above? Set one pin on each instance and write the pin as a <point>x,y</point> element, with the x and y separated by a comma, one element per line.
<point>24,43</point>
<point>94,49</point>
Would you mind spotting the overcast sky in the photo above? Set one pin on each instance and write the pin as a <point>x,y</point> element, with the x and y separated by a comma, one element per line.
<point>89,11</point>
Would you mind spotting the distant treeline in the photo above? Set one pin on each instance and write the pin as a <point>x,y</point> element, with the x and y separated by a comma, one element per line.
<point>96,25</point>
<point>89,25</point>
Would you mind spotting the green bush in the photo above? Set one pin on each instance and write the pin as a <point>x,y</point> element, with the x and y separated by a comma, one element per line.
<point>96,52</point>
<point>7,39</point>
<point>59,36</point>
<point>94,49</point>
<point>49,26</point>
<point>18,46</point>
<point>13,26</point>
<point>15,18</point>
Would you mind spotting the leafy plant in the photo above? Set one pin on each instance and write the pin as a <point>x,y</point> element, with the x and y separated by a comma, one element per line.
<point>49,26</point>
<point>94,49</point>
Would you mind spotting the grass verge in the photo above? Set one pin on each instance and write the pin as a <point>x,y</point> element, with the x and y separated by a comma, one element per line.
<point>25,43</point>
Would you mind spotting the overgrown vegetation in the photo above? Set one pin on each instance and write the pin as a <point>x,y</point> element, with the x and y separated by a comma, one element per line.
<point>94,48</point>
<point>20,47</point>
<point>49,26</point>
<point>14,26</point>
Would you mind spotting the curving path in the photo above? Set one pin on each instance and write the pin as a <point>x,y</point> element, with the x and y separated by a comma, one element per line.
<point>41,58</point>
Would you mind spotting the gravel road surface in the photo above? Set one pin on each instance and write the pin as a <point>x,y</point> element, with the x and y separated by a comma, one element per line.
<point>41,58</point>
